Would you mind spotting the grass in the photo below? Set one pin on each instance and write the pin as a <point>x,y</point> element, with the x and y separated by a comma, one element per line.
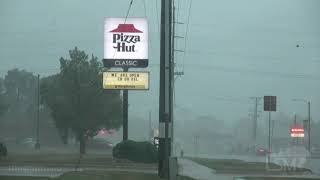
<point>276,178</point>
<point>238,166</point>
<point>91,175</point>
<point>231,164</point>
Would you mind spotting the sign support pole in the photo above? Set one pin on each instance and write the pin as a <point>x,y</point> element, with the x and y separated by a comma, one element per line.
<point>38,115</point>
<point>309,127</point>
<point>269,138</point>
<point>125,111</point>
<point>270,104</point>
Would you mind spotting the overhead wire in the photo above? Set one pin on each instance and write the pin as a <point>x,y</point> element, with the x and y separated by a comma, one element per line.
<point>128,11</point>
<point>158,21</point>
<point>125,20</point>
<point>186,34</point>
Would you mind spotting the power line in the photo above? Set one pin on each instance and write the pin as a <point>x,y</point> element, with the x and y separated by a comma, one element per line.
<point>157,12</point>
<point>145,8</point>
<point>129,8</point>
<point>125,20</point>
<point>186,34</point>
<point>254,71</point>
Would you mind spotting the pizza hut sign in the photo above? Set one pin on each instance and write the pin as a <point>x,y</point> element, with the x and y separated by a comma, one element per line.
<point>126,42</point>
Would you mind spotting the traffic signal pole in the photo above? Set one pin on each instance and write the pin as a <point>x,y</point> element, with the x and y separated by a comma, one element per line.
<point>166,89</point>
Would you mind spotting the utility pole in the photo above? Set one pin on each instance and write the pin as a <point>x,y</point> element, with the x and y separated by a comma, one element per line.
<point>18,113</point>
<point>295,141</point>
<point>309,127</point>
<point>166,89</point>
<point>173,72</point>
<point>272,129</point>
<point>255,119</point>
<point>150,127</point>
<point>125,111</point>
<point>37,146</point>
<point>172,78</point>
<point>269,139</point>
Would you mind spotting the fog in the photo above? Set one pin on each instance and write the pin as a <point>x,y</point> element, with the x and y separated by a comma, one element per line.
<point>234,50</point>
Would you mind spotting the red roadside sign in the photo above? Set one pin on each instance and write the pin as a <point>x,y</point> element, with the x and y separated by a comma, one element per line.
<point>297,131</point>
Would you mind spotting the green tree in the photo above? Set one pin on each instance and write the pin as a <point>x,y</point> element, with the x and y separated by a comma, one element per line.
<point>20,82</point>
<point>19,91</point>
<point>77,100</point>
<point>3,105</point>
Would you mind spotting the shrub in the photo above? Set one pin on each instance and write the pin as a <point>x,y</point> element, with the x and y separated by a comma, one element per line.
<point>142,152</point>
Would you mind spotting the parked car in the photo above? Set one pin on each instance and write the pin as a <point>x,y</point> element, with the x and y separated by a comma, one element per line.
<point>99,143</point>
<point>28,142</point>
<point>262,152</point>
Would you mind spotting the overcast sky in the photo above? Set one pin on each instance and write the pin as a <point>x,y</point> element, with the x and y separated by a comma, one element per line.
<point>236,49</point>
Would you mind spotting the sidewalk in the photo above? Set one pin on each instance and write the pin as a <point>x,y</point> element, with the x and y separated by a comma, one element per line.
<point>191,169</point>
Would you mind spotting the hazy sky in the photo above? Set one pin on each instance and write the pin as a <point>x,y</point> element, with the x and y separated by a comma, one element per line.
<point>236,49</point>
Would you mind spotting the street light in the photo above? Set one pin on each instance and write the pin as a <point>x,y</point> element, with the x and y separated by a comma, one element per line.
<point>309,120</point>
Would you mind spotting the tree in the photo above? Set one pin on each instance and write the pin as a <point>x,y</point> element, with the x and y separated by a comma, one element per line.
<point>3,106</point>
<point>77,100</point>
<point>20,82</point>
<point>19,92</point>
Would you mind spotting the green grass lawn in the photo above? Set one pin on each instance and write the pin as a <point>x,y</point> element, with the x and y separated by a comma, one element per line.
<point>96,176</point>
<point>233,165</point>
<point>276,178</point>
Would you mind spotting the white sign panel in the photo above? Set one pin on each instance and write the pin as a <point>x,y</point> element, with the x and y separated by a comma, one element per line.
<point>126,40</point>
<point>126,80</point>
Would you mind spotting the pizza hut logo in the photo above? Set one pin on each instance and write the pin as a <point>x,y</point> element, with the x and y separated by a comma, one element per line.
<point>125,37</point>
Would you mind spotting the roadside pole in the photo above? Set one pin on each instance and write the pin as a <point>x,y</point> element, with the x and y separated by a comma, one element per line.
<point>37,146</point>
<point>269,138</point>
<point>125,111</point>
<point>309,127</point>
<point>270,104</point>
<point>166,91</point>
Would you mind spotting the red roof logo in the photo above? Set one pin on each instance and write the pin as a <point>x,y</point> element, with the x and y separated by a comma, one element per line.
<point>128,28</point>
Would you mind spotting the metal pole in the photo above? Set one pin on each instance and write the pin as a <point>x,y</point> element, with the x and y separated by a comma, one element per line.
<point>38,115</point>
<point>172,80</point>
<point>166,92</point>
<point>309,127</point>
<point>125,111</point>
<point>18,113</point>
<point>269,138</point>
<point>150,127</point>
<point>255,123</point>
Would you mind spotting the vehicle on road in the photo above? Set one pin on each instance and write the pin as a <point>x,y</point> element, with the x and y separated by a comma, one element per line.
<point>262,152</point>
<point>28,142</point>
<point>99,143</point>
